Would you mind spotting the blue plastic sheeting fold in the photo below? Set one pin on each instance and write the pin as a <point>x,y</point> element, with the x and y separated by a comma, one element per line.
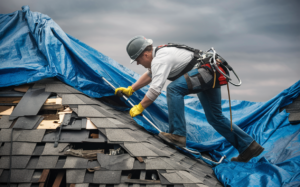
<point>34,47</point>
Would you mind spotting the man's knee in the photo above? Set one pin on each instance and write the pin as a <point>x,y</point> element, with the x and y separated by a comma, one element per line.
<point>171,88</point>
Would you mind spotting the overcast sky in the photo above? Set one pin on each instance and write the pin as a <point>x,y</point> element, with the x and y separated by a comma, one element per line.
<point>260,39</point>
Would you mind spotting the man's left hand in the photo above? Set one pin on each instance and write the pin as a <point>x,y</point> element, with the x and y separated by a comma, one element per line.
<point>136,110</point>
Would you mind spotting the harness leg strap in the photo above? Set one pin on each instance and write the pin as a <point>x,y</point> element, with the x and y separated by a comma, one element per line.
<point>188,82</point>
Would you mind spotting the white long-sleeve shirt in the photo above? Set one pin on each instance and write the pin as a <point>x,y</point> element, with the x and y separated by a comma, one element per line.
<point>166,63</point>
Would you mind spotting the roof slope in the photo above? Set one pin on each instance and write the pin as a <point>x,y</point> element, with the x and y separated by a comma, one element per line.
<point>121,153</point>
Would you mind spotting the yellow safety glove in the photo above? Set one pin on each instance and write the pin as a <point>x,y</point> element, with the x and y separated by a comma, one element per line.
<point>136,110</point>
<point>127,91</point>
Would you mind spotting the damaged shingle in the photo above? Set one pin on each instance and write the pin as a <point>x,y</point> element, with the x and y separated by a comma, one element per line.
<point>115,162</point>
<point>31,103</point>
<point>51,150</point>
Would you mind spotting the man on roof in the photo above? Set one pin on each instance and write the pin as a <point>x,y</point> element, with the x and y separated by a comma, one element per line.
<point>180,66</point>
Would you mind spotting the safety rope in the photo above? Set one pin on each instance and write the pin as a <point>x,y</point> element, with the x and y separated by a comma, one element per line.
<point>229,107</point>
<point>214,79</point>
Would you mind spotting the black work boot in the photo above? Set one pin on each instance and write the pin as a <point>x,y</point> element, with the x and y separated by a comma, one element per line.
<point>173,139</point>
<point>252,151</point>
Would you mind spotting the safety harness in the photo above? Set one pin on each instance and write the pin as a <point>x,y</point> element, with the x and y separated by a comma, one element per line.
<point>203,62</point>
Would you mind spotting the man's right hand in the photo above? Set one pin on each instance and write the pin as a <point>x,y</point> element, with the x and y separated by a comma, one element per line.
<point>127,91</point>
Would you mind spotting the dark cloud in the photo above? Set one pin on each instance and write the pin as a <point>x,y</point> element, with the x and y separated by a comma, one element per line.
<point>260,39</point>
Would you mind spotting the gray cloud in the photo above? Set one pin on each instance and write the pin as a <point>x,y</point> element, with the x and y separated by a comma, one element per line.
<point>260,39</point>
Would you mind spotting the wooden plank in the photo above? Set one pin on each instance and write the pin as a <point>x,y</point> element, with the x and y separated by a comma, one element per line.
<point>90,124</point>
<point>138,181</point>
<point>44,175</point>
<point>58,179</point>
<point>72,185</point>
<point>6,110</point>
<point>10,99</point>
<point>52,107</point>
<point>140,159</point>
<point>57,101</point>
<point>22,88</point>
<point>42,184</point>
<point>93,135</point>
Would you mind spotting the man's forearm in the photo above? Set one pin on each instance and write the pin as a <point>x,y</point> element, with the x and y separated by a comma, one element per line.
<point>146,102</point>
<point>141,82</point>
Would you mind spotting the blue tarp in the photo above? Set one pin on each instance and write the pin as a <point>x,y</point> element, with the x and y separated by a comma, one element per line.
<point>34,47</point>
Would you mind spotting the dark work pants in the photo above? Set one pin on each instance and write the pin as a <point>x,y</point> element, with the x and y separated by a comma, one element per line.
<point>210,99</point>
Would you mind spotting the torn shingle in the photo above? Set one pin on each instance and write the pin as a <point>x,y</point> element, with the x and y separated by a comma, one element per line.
<point>75,176</point>
<point>51,150</point>
<point>93,164</point>
<point>116,162</point>
<point>5,123</point>
<point>76,162</point>
<point>18,162</point>
<point>26,122</point>
<point>75,125</point>
<point>107,177</point>
<point>31,103</point>
<point>47,162</point>
<point>19,148</point>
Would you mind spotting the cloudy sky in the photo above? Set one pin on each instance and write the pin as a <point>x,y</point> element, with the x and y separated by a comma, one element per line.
<point>260,39</point>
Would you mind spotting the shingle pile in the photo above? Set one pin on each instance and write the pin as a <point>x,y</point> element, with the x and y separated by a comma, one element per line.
<point>114,151</point>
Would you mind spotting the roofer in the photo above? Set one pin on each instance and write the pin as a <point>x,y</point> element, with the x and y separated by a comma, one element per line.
<point>179,65</point>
